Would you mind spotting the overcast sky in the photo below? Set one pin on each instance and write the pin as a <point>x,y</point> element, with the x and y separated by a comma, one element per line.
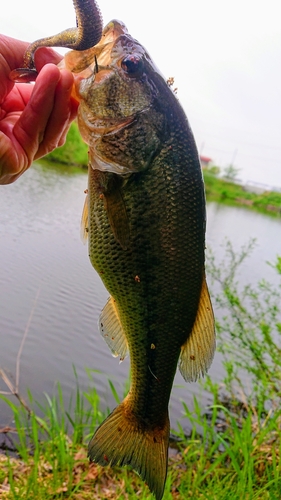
<point>225,58</point>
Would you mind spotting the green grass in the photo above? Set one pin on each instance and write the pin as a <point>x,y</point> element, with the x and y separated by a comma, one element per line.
<point>223,191</point>
<point>73,152</point>
<point>233,449</point>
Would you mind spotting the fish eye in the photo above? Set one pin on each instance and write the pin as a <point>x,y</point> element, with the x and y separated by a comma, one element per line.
<point>132,65</point>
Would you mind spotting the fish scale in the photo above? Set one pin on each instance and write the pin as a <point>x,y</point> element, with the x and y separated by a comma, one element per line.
<point>155,279</point>
<point>161,240</point>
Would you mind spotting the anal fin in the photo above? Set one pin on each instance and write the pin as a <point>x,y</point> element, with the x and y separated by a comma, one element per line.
<point>198,351</point>
<point>112,330</point>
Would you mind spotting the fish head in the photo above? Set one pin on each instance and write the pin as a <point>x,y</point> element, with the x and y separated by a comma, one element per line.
<point>118,114</point>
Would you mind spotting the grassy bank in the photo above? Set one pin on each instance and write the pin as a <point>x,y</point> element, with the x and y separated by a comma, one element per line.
<point>223,191</point>
<point>234,447</point>
<point>74,152</point>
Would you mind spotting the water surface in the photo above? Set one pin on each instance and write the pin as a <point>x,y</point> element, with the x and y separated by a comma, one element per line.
<point>45,267</point>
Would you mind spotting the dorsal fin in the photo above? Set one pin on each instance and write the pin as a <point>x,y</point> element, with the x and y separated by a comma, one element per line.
<point>112,331</point>
<point>198,351</point>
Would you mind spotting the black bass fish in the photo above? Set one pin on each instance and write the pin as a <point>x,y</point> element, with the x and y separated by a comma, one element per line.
<point>144,217</point>
<point>145,221</point>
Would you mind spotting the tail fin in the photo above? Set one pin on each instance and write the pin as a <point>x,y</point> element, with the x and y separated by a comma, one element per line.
<point>122,440</point>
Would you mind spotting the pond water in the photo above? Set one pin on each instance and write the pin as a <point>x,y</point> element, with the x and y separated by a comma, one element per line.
<point>45,269</point>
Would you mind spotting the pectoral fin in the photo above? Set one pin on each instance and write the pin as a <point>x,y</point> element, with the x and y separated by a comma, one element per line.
<point>117,216</point>
<point>112,331</point>
<point>84,229</point>
<point>198,351</point>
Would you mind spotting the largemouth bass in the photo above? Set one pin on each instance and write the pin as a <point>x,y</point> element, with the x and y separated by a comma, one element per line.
<point>145,220</point>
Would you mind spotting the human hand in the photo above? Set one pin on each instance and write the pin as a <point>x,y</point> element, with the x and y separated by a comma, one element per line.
<point>34,119</point>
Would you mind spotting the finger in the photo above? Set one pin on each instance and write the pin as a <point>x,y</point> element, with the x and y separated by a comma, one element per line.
<point>11,57</point>
<point>12,51</point>
<point>60,118</point>
<point>30,128</point>
<point>10,163</point>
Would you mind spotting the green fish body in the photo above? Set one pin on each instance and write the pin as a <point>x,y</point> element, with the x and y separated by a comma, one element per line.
<point>145,221</point>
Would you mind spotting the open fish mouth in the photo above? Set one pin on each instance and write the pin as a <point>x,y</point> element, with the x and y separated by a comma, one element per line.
<point>107,125</point>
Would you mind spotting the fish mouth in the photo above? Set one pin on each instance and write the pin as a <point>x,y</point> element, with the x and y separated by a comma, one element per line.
<point>103,126</point>
<point>84,62</point>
